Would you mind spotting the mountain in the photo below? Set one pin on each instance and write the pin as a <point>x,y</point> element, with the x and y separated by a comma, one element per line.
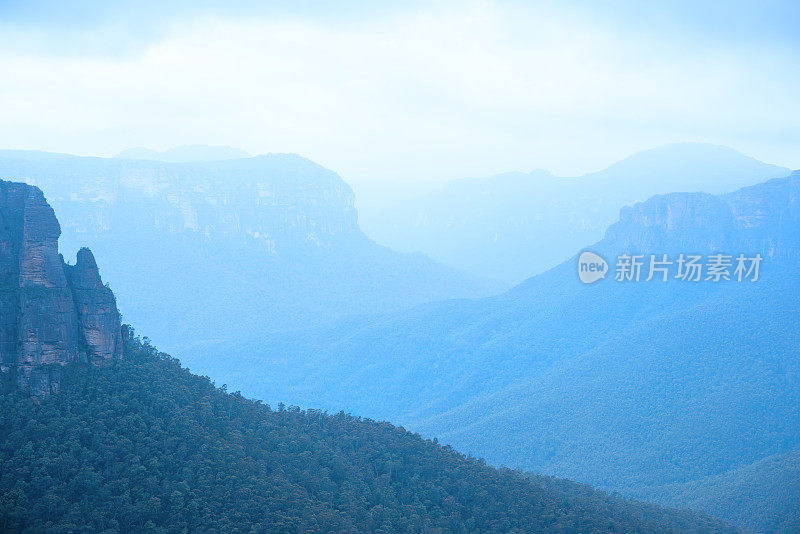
<point>202,254</point>
<point>52,313</point>
<point>185,154</point>
<point>103,433</point>
<point>514,225</point>
<point>622,385</point>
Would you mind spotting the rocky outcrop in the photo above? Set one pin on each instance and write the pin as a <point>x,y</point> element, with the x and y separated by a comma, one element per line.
<point>98,318</point>
<point>51,314</point>
<point>760,219</point>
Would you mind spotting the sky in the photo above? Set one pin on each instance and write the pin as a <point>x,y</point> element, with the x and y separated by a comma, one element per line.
<point>406,91</point>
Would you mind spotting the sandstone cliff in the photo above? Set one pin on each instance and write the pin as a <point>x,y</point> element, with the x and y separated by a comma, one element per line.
<point>51,313</point>
<point>759,219</point>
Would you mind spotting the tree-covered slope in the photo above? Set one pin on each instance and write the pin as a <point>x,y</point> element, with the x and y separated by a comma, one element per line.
<point>762,497</point>
<point>144,445</point>
<point>616,384</point>
<point>691,388</point>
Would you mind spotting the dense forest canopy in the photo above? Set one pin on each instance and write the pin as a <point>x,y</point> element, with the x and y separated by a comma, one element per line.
<point>144,445</point>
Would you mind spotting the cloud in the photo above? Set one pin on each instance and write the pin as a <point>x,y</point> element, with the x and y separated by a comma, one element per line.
<point>419,93</point>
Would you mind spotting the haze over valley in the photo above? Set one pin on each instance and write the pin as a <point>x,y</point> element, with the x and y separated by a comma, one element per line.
<point>486,266</point>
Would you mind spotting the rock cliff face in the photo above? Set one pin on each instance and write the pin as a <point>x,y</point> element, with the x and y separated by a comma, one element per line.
<point>278,203</point>
<point>51,313</point>
<point>760,219</point>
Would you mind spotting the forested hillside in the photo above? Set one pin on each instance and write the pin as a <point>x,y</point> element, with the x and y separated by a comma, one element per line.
<point>763,496</point>
<point>144,445</point>
<point>621,385</point>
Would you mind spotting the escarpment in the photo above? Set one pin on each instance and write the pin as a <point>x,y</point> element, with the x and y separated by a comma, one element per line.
<point>760,219</point>
<point>51,313</point>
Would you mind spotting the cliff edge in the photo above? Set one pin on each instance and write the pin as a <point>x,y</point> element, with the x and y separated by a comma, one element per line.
<point>51,313</point>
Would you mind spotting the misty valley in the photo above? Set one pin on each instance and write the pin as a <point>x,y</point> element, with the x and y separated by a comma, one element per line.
<point>399,267</point>
<point>654,391</point>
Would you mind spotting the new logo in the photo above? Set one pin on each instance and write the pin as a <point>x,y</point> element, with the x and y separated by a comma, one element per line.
<point>591,267</point>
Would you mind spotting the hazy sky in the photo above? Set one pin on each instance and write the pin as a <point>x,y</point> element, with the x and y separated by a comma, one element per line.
<point>408,91</point>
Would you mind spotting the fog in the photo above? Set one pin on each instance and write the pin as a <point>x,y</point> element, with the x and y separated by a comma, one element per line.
<point>412,93</point>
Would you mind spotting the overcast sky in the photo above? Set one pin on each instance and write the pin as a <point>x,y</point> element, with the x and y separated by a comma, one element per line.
<point>410,91</point>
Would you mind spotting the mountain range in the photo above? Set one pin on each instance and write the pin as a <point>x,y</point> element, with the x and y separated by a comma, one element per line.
<point>512,226</point>
<point>256,271</point>
<point>646,388</point>
<point>100,432</point>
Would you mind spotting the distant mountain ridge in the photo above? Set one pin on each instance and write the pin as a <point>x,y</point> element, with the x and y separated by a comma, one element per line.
<point>204,253</point>
<point>514,225</point>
